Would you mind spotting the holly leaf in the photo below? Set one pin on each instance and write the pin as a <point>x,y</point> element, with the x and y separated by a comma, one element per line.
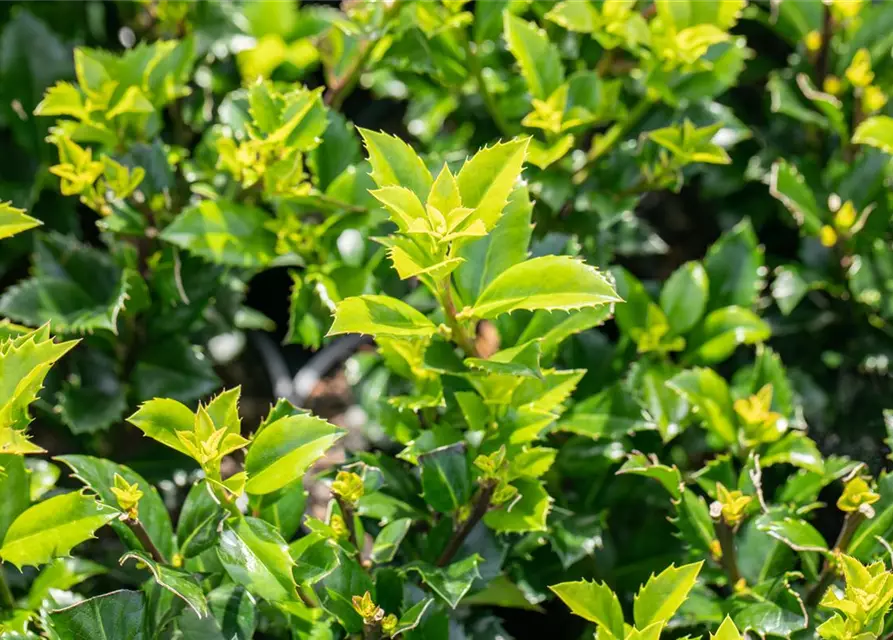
<point>99,476</point>
<point>876,131</point>
<point>452,582</point>
<point>224,232</point>
<point>664,593</point>
<point>394,163</point>
<point>486,181</point>
<point>25,361</point>
<point>380,316</point>
<point>13,220</point>
<point>118,614</point>
<point>181,583</point>
<point>51,528</point>
<point>74,287</point>
<point>550,282</point>
<point>538,58</point>
<point>284,450</point>
<point>446,478</point>
<point>595,602</point>
<point>256,557</point>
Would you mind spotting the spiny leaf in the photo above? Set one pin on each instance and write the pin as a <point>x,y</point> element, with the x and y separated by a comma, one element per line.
<point>380,316</point>
<point>550,282</point>
<point>486,180</point>
<point>396,164</point>
<point>593,601</point>
<point>53,527</point>
<point>284,450</point>
<point>13,220</point>
<point>663,594</point>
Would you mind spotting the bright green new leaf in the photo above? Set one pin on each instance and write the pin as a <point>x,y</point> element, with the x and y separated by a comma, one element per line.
<point>664,593</point>
<point>161,419</point>
<point>51,528</point>
<point>538,58</point>
<point>181,583</point>
<point>722,332</point>
<point>504,246</point>
<point>593,601</point>
<point>876,131</point>
<point>395,164</point>
<point>256,557</point>
<point>25,362</point>
<point>727,631</point>
<point>550,282</point>
<point>380,316</point>
<point>225,233</point>
<point>683,297</point>
<point>486,181</point>
<point>284,450</point>
<point>13,220</point>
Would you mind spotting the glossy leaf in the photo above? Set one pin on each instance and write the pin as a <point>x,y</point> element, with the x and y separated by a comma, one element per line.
<point>684,296</point>
<point>380,316</point>
<point>99,476</point>
<point>284,450</point>
<point>51,528</point>
<point>663,594</point>
<point>452,582</point>
<point>13,220</point>
<point>551,282</point>
<point>537,57</point>
<point>256,557</point>
<point>446,478</point>
<point>595,602</point>
<point>876,131</point>
<point>119,614</point>
<point>178,582</point>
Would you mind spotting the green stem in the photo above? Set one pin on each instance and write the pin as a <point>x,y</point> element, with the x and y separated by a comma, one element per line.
<point>726,536</point>
<point>474,65</point>
<point>347,512</point>
<point>146,540</point>
<point>601,145</point>
<point>6,599</point>
<point>342,88</point>
<point>460,336</point>
<point>826,577</point>
<point>478,511</point>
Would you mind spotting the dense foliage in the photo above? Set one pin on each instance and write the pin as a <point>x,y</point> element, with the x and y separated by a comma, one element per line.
<point>625,273</point>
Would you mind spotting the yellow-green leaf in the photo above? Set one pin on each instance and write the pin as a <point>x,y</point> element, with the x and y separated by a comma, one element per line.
<point>664,593</point>
<point>380,316</point>
<point>13,220</point>
<point>593,601</point>
<point>549,282</point>
<point>51,528</point>
<point>284,450</point>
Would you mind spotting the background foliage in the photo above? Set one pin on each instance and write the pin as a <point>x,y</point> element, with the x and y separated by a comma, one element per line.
<point>626,270</point>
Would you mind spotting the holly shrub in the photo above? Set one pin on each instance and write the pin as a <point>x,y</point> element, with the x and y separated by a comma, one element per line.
<point>446,320</point>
